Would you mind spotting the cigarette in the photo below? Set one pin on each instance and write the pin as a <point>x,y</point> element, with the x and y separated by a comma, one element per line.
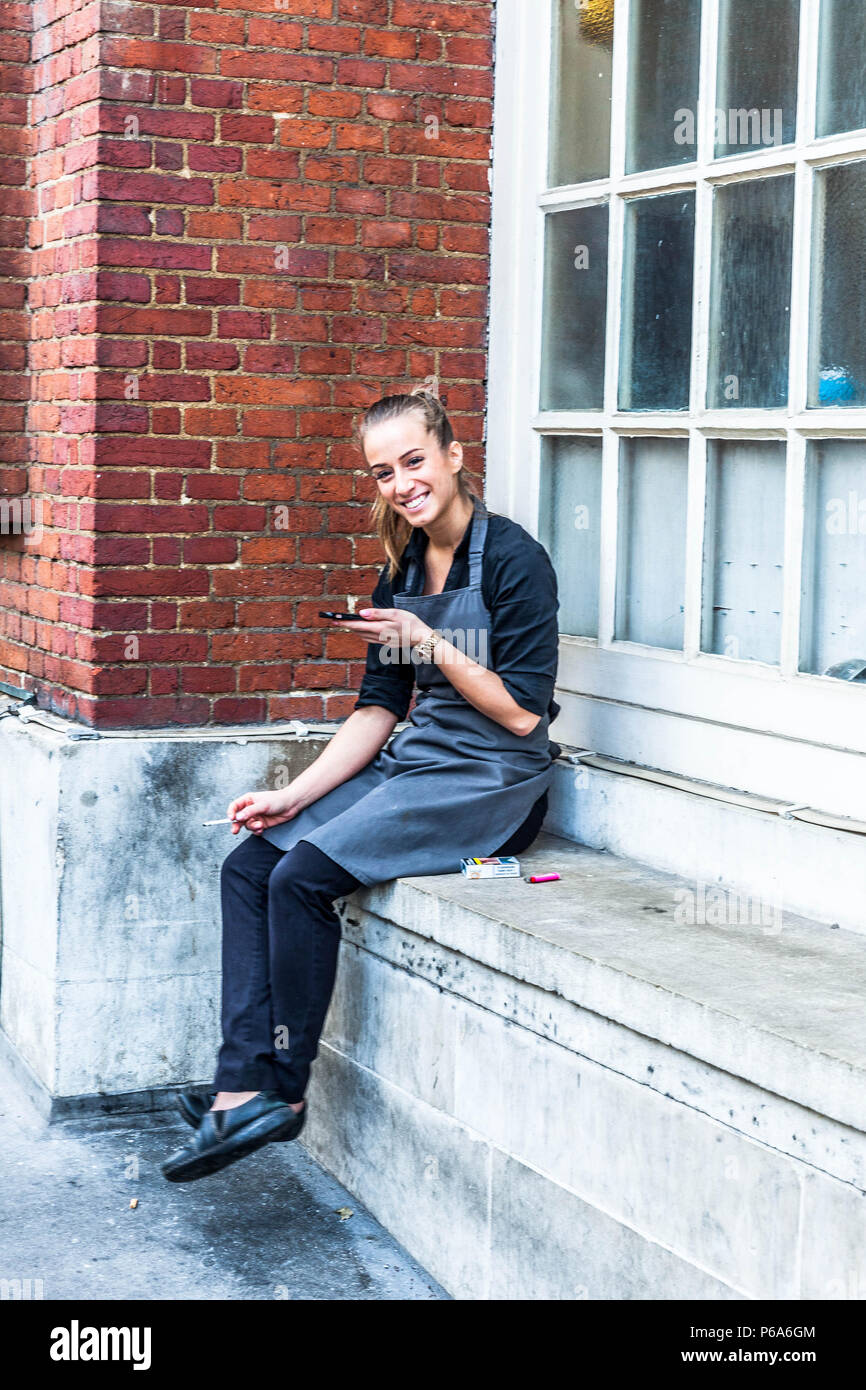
<point>227,820</point>
<point>542,878</point>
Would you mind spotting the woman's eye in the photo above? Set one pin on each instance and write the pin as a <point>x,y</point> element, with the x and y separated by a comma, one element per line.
<point>417,460</point>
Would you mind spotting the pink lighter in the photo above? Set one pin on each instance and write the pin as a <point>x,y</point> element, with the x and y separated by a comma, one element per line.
<point>542,878</point>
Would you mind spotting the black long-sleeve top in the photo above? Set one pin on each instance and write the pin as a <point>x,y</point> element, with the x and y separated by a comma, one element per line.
<point>518,585</point>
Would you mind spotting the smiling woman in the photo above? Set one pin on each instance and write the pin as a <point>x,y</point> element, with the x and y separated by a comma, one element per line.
<point>468,775</point>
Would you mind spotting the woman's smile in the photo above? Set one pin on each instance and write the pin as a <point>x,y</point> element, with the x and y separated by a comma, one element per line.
<point>416,503</point>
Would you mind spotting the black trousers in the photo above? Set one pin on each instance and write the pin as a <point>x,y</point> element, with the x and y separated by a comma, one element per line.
<point>280,941</point>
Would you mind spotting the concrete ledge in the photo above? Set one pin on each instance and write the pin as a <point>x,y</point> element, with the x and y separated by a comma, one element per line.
<point>558,1091</point>
<point>109,898</point>
<point>779,1005</point>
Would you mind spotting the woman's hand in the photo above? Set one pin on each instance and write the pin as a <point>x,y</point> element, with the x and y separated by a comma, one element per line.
<point>396,626</point>
<point>258,811</point>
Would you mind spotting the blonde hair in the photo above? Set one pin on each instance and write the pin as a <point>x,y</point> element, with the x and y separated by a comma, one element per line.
<point>392,529</point>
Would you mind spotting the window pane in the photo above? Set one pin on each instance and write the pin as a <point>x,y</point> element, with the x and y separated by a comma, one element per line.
<point>756,100</point>
<point>750,295</point>
<point>833,613</point>
<point>651,560</point>
<point>744,538</point>
<point>656,341</point>
<point>575,300</point>
<point>837,364</point>
<point>580,91</point>
<point>664,54</point>
<point>570,527</point>
<point>842,67</point>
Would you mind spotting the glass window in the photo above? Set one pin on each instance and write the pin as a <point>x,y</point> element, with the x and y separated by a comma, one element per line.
<point>664,60</point>
<point>750,295</point>
<point>580,91</point>
<point>744,541</point>
<point>575,303</point>
<point>837,361</point>
<point>842,67</point>
<point>753,59</point>
<point>651,552</point>
<point>833,606</point>
<point>656,339</point>
<point>756,97</point>
<point>570,527</point>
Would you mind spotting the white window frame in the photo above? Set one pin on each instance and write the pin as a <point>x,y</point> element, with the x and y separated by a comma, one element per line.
<point>768,729</point>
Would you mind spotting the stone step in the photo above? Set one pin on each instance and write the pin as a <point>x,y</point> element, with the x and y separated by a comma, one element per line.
<point>814,871</point>
<point>563,1090</point>
<point>778,1003</point>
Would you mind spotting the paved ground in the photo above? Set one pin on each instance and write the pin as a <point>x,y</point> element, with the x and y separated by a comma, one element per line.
<point>266,1228</point>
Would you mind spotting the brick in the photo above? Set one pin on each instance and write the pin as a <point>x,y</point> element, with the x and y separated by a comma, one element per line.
<point>218,356</point>
<point>236,711</point>
<point>248,130</point>
<point>209,680</point>
<point>168,222</point>
<point>214,161</point>
<point>154,56</point>
<point>207,291</point>
<point>215,93</point>
<point>269,357</point>
<point>281,66</point>
<point>154,322</point>
<point>210,422</point>
<point>153,188</point>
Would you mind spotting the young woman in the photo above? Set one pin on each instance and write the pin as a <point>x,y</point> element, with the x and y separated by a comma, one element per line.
<point>466,607</point>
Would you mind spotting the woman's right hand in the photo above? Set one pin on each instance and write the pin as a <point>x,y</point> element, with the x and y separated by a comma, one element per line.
<point>258,811</point>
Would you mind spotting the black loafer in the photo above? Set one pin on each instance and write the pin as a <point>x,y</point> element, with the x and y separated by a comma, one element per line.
<point>194,1106</point>
<point>224,1136</point>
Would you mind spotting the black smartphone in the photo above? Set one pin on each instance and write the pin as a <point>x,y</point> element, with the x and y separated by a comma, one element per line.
<point>344,617</point>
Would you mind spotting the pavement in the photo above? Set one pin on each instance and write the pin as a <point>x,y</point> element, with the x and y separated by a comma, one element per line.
<point>275,1225</point>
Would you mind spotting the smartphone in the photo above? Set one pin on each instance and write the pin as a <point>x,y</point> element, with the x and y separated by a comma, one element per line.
<point>344,617</point>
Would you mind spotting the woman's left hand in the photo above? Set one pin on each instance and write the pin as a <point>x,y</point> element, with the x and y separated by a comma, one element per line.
<point>394,625</point>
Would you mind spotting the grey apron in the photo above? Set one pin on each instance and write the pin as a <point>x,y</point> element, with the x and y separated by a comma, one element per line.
<point>453,783</point>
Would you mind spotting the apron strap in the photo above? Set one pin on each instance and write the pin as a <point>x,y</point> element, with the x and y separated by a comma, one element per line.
<point>476,545</point>
<point>476,551</point>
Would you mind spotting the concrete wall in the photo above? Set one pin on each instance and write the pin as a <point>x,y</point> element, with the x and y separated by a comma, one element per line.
<point>521,1147</point>
<point>110,966</point>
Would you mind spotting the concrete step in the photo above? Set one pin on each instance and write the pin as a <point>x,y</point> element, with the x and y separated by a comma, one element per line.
<point>757,848</point>
<point>602,1095</point>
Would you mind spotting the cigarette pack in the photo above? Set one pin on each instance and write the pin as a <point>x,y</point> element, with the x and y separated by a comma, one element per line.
<point>497,866</point>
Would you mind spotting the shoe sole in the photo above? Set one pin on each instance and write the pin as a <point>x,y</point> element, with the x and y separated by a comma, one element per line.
<point>255,1135</point>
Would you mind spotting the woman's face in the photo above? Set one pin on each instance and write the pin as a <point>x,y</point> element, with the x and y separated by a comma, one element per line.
<point>415,476</point>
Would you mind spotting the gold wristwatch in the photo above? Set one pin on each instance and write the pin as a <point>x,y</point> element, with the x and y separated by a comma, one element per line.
<point>424,650</point>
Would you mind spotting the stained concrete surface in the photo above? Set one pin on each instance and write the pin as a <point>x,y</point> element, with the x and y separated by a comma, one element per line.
<point>266,1228</point>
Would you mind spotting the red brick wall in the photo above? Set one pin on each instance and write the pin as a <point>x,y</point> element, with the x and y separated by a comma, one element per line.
<point>255,217</point>
<point>16,206</point>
